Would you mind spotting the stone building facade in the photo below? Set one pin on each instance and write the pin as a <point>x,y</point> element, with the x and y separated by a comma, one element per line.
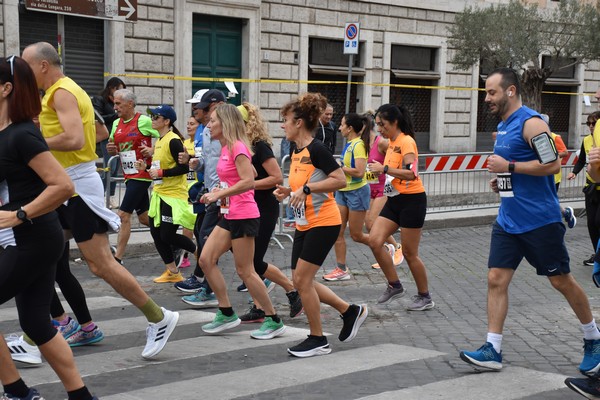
<point>275,49</point>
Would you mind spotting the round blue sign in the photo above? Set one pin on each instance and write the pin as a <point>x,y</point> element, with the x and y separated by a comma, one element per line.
<point>351,31</point>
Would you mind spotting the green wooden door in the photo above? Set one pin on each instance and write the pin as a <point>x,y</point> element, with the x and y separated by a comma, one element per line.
<point>217,52</point>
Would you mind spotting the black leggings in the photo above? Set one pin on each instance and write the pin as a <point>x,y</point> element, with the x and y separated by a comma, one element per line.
<point>269,212</point>
<point>71,290</point>
<point>592,209</point>
<point>166,237</point>
<point>27,274</point>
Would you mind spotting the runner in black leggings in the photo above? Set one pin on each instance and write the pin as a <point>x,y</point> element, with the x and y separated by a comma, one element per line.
<point>32,185</point>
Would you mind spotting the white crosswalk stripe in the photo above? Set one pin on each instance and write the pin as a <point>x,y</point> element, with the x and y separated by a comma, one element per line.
<point>102,361</point>
<point>511,383</point>
<point>284,374</point>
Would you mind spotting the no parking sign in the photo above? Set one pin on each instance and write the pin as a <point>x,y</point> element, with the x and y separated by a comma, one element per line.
<point>351,38</point>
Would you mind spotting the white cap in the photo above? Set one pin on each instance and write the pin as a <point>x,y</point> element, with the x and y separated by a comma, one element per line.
<point>197,96</point>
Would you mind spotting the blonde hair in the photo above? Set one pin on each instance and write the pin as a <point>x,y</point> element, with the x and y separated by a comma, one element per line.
<point>256,127</point>
<point>232,124</point>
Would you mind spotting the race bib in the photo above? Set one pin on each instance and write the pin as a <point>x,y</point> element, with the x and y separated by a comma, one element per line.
<point>504,182</point>
<point>371,177</point>
<point>156,165</point>
<point>389,190</point>
<point>300,214</point>
<point>224,200</point>
<point>128,162</point>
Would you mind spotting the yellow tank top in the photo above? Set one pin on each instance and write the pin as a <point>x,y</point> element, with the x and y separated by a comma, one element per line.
<point>51,126</point>
<point>171,186</point>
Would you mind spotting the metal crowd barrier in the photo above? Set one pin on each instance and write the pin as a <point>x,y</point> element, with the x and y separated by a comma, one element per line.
<point>460,181</point>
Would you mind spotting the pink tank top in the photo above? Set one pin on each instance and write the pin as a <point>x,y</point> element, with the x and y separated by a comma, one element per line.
<point>375,155</point>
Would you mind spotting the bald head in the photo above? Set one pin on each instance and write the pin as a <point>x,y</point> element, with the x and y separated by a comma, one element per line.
<point>43,51</point>
<point>44,60</point>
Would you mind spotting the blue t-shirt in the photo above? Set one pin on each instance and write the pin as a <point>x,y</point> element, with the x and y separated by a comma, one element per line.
<point>535,202</point>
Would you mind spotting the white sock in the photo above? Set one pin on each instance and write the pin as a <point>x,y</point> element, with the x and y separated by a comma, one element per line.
<point>496,340</point>
<point>590,331</point>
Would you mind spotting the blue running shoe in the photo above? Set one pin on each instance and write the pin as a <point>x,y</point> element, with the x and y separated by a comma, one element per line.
<point>32,395</point>
<point>485,357</point>
<point>270,285</point>
<point>569,216</point>
<point>82,338</point>
<point>590,365</point>
<point>201,299</point>
<point>67,330</point>
<point>190,285</point>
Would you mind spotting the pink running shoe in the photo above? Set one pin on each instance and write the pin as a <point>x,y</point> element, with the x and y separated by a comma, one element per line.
<point>185,263</point>
<point>337,274</point>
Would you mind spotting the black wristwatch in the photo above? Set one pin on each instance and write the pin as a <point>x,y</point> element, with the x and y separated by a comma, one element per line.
<point>385,169</point>
<point>22,215</point>
<point>306,190</point>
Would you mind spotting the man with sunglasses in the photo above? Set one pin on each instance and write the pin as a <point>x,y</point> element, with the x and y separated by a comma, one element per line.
<point>67,121</point>
<point>131,134</point>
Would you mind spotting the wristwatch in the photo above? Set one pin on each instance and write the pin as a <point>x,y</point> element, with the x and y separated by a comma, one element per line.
<point>22,215</point>
<point>511,166</point>
<point>306,190</point>
<point>385,169</point>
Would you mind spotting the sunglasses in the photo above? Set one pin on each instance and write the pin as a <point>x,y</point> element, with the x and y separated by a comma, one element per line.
<point>155,117</point>
<point>591,123</point>
<point>11,61</point>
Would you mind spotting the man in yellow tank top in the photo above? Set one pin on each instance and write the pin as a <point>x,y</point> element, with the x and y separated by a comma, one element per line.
<point>67,123</point>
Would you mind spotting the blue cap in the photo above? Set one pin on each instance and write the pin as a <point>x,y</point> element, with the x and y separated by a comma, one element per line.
<point>165,111</point>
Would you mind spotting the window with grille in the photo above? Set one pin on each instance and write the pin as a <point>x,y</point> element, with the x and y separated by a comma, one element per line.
<point>415,66</point>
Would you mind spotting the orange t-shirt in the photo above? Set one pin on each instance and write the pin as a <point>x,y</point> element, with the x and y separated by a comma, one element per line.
<point>314,163</point>
<point>394,157</point>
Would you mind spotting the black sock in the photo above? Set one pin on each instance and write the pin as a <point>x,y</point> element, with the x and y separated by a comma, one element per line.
<point>274,318</point>
<point>80,394</point>
<point>227,311</point>
<point>18,388</point>
<point>426,294</point>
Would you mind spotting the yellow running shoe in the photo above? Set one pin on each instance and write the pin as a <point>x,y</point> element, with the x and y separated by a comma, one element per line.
<point>169,277</point>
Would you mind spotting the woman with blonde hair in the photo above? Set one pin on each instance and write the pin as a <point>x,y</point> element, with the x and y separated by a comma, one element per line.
<point>268,176</point>
<point>238,226</point>
<point>314,175</point>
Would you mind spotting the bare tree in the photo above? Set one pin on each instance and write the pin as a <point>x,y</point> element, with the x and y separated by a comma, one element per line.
<point>517,35</point>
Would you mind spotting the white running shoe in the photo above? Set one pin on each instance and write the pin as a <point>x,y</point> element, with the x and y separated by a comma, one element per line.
<point>23,352</point>
<point>157,334</point>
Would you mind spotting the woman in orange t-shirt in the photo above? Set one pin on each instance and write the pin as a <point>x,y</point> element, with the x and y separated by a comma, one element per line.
<point>314,175</point>
<point>405,208</point>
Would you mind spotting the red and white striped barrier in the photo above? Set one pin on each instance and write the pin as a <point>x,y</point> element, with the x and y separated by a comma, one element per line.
<point>471,162</point>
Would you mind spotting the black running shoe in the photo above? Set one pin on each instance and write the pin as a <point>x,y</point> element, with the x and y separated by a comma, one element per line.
<point>353,319</point>
<point>312,346</point>
<point>588,388</point>
<point>253,315</point>
<point>242,288</point>
<point>295,303</point>
<point>589,262</point>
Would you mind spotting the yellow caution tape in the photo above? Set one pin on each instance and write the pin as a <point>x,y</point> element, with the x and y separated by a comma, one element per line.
<point>298,81</point>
